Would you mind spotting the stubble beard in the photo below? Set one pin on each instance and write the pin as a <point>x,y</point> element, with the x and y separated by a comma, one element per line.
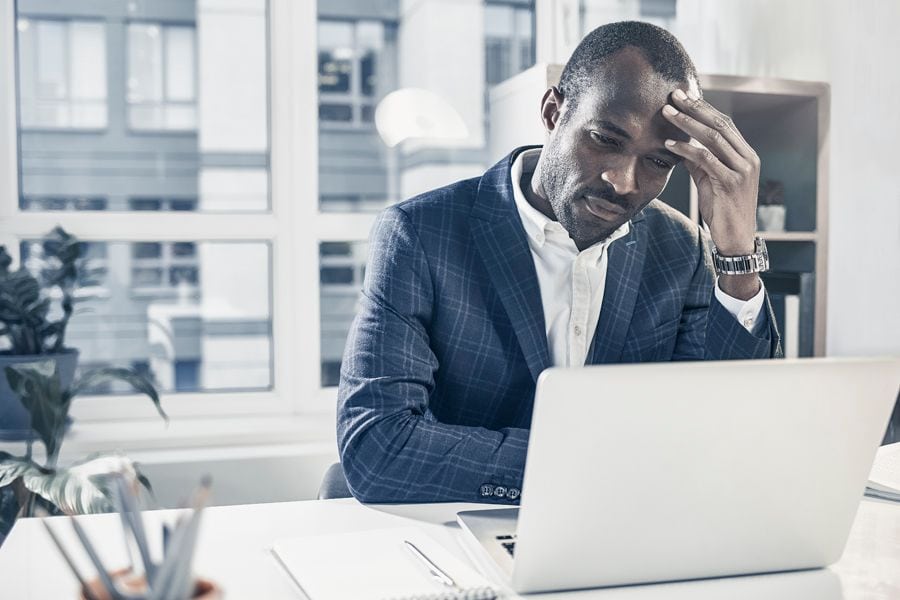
<point>563,199</point>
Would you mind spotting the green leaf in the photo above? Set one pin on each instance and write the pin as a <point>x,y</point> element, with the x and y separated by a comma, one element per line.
<point>84,487</point>
<point>140,383</point>
<point>5,260</point>
<point>37,386</point>
<point>13,467</point>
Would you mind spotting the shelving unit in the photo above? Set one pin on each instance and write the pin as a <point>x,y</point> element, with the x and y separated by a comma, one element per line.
<point>786,122</point>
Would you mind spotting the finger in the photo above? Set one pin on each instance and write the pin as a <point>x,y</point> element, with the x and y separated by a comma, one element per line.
<point>708,136</point>
<point>706,113</point>
<point>699,159</point>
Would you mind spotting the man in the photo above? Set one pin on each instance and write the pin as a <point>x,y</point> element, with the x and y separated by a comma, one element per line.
<point>555,256</point>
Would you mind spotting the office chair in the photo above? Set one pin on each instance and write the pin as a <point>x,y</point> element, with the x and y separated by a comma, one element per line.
<point>334,484</point>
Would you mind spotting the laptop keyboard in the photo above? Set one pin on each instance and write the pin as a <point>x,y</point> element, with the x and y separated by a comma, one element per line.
<point>508,542</point>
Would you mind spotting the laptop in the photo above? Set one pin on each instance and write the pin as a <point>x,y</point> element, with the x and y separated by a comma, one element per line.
<point>674,471</point>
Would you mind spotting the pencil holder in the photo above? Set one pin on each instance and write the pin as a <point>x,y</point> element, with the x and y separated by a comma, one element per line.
<point>136,586</point>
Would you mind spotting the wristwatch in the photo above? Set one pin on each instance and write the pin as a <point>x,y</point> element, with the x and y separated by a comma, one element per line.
<point>743,265</point>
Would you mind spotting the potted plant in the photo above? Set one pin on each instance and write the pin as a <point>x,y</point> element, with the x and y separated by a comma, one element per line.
<point>770,209</point>
<point>35,309</point>
<point>81,488</point>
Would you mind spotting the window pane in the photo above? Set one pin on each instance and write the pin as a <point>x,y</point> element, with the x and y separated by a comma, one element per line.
<point>51,63</point>
<point>342,268</point>
<point>437,130</point>
<point>146,250</point>
<point>335,57</point>
<point>180,63</point>
<point>145,70</point>
<point>184,118</point>
<point>202,323</point>
<point>87,61</point>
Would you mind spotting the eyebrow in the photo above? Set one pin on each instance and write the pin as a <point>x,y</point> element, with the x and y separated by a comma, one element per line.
<point>612,127</point>
<point>609,125</point>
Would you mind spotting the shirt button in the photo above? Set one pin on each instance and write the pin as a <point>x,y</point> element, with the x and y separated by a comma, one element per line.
<point>577,330</point>
<point>748,322</point>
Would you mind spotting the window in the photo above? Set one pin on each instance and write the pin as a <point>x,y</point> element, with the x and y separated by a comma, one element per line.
<point>162,92</point>
<point>342,267</point>
<point>62,73</point>
<point>179,234</point>
<point>366,52</point>
<point>352,69</point>
<point>229,250</point>
<point>509,40</point>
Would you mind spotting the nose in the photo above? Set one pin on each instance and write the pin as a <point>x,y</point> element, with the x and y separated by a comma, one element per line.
<point>622,176</point>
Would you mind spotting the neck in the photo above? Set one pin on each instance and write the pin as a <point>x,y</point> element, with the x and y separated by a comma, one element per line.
<point>534,191</point>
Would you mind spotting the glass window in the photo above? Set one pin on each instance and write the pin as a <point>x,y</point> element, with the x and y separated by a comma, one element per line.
<point>351,55</point>
<point>508,44</point>
<point>62,74</point>
<point>202,315</point>
<point>162,77</point>
<point>341,272</point>
<point>378,147</point>
<point>185,120</point>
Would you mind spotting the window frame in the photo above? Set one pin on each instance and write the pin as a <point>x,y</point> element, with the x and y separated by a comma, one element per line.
<point>293,229</point>
<point>354,98</point>
<point>164,102</point>
<point>67,22</point>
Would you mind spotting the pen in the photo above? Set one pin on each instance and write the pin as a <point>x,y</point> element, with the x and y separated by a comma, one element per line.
<point>434,570</point>
<point>84,586</point>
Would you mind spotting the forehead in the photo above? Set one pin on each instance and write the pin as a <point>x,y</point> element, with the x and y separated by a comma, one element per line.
<point>627,91</point>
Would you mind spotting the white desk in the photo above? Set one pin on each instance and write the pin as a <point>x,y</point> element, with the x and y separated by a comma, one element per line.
<point>234,543</point>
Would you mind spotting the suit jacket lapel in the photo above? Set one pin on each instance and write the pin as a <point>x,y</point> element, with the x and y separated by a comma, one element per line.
<point>623,280</point>
<point>500,239</point>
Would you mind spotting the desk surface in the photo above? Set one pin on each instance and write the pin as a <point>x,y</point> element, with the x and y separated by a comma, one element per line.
<point>235,540</point>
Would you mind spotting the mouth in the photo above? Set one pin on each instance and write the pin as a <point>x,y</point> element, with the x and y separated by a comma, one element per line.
<point>603,209</point>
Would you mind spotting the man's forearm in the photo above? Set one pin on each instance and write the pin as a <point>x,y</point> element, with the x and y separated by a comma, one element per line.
<point>408,458</point>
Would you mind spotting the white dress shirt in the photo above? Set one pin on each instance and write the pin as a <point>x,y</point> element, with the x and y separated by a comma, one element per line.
<point>572,282</point>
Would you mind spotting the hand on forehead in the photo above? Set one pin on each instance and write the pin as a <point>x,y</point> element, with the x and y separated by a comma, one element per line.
<point>628,92</point>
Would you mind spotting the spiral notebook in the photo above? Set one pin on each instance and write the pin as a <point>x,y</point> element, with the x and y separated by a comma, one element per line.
<point>884,480</point>
<point>375,565</point>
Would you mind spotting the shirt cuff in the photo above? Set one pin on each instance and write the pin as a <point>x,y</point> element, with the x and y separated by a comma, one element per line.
<point>747,312</point>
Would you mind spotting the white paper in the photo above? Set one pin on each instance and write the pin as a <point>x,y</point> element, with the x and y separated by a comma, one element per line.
<point>370,565</point>
<point>885,475</point>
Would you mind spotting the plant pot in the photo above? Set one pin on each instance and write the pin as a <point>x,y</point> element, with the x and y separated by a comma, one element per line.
<point>204,589</point>
<point>770,217</point>
<point>15,421</point>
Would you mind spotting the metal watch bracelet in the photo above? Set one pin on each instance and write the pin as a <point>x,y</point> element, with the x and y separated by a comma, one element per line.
<point>745,264</point>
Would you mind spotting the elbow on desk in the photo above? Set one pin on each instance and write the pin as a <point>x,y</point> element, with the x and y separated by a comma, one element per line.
<point>360,460</point>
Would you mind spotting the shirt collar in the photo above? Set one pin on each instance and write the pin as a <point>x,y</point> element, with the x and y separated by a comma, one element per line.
<point>537,225</point>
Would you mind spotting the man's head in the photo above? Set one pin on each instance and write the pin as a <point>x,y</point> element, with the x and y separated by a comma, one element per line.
<point>605,155</point>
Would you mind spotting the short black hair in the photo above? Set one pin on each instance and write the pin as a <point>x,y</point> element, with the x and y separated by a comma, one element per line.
<point>664,53</point>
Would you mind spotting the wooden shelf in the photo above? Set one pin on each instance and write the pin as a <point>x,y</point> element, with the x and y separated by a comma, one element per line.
<point>789,236</point>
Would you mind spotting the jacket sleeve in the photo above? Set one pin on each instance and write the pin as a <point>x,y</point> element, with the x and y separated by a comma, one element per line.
<point>392,448</point>
<point>707,330</point>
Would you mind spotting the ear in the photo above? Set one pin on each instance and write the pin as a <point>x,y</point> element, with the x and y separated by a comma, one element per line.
<point>551,108</point>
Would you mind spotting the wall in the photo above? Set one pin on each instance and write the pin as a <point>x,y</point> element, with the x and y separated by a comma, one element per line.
<point>850,46</point>
<point>853,47</point>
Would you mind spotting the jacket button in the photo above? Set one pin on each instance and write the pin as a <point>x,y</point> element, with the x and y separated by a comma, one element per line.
<point>499,491</point>
<point>513,493</point>
<point>487,490</point>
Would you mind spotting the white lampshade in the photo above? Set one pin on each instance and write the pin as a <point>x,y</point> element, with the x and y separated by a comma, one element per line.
<point>416,113</point>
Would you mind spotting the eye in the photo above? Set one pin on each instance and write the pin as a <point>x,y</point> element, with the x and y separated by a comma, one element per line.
<point>605,139</point>
<point>660,164</point>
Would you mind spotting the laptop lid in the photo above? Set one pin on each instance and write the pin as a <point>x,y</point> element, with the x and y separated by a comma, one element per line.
<point>647,473</point>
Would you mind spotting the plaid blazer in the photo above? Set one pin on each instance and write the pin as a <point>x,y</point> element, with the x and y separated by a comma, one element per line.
<point>439,372</point>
